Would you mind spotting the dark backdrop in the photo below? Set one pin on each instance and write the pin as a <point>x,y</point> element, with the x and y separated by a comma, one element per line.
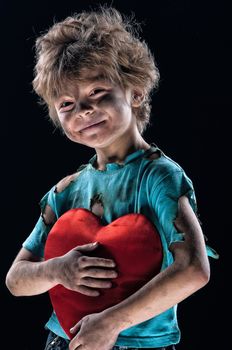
<point>190,41</point>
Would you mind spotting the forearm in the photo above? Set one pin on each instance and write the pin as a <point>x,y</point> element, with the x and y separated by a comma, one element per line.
<point>31,278</point>
<point>161,293</point>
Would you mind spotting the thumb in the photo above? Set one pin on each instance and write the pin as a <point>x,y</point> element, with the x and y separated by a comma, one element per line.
<point>76,328</point>
<point>87,247</point>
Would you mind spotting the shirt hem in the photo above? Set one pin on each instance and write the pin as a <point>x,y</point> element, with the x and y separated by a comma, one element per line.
<point>148,342</point>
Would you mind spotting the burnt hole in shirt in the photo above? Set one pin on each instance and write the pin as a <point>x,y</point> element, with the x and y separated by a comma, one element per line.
<point>96,205</point>
<point>48,216</point>
<point>65,182</point>
<point>154,155</point>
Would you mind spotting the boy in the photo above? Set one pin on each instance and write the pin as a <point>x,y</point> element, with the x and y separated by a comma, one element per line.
<point>95,76</point>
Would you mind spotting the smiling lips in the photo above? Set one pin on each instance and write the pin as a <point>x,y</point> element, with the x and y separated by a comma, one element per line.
<point>92,125</point>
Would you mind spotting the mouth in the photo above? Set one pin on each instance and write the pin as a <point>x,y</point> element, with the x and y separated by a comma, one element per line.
<point>92,126</point>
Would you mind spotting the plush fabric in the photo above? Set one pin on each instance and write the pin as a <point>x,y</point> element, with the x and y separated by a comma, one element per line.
<point>132,241</point>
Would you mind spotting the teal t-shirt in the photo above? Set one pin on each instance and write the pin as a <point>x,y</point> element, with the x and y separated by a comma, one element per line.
<point>140,185</point>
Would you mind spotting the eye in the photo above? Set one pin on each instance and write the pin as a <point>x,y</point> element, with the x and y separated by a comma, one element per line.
<point>64,106</point>
<point>96,92</point>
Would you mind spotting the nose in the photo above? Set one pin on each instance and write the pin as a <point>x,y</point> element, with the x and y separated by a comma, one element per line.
<point>84,108</point>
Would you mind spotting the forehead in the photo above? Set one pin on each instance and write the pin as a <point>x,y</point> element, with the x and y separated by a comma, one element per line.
<point>91,77</point>
<point>71,86</point>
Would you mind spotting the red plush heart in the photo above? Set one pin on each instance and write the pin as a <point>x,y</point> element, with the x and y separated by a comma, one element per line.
<point>132,241</point>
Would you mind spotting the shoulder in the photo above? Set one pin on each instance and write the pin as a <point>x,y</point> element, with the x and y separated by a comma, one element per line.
<point>168,178</point>
<point>65,183</point>
<point>163,167</point>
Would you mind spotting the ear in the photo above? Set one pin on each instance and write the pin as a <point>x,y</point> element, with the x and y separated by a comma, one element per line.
<point>137,98</point>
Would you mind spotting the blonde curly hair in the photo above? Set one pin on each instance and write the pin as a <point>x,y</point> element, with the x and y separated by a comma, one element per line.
<point>102,39</point>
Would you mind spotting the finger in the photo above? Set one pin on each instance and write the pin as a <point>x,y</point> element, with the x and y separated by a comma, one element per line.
<point>86,247</point>
<point>98,273</point>
<point>98,262</point>
<point>75,343</point>
<point>88,291</point>
<point>95,283</point>
<point>76,327</point>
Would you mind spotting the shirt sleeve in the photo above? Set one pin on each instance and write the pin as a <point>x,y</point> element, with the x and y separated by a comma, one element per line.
<point>165,197</point>
<point>35,242</point>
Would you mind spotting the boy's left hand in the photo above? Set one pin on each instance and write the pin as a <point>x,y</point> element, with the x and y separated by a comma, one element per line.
<point>94,333</point>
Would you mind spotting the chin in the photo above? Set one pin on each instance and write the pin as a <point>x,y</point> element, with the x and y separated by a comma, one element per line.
<point>95,140</point>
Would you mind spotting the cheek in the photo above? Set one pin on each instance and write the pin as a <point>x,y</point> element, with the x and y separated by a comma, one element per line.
<point>67,122</point>
<point>64,118</point>
<point>117,106</point>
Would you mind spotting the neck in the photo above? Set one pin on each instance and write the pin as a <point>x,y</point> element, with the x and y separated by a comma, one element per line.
<point>117,151</point>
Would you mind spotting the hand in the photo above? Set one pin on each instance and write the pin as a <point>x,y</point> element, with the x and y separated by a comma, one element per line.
<point>95,332</point>
<point>84,274</point>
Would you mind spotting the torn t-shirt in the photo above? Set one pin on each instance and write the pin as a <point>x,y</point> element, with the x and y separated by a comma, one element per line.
<point>150,187</point>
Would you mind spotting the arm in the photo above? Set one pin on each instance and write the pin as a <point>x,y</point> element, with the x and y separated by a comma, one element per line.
<point>188,273</point>
<point>30,275</point>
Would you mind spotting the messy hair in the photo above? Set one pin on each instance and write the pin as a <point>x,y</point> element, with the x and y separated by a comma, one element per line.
<point>102,39</point>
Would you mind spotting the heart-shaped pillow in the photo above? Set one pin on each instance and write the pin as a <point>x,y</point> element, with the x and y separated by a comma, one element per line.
<point>132,241</point>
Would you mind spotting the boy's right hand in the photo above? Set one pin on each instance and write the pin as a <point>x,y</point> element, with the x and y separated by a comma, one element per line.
<point>84,274</point>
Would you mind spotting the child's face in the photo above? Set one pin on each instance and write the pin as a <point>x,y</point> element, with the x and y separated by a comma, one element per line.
<point>99,102</point>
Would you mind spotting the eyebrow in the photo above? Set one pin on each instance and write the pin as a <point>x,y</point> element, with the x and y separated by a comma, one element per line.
<point>91,79</point>
<point>97,77</point>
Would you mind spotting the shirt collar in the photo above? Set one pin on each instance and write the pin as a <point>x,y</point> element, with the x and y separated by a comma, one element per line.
<point>129,158</point>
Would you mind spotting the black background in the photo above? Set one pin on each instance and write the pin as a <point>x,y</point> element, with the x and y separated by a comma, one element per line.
<point>190,41</point>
